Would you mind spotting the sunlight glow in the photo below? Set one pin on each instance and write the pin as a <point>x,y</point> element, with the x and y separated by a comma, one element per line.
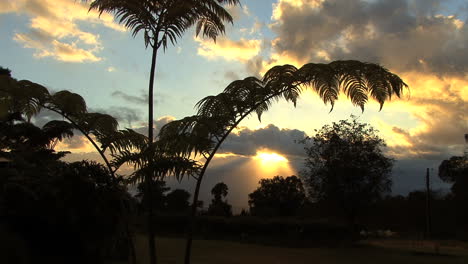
<point>270,157</point>
<point>269,164</point>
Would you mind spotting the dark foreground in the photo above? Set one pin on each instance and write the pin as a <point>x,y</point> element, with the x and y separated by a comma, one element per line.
<point>170,250</point>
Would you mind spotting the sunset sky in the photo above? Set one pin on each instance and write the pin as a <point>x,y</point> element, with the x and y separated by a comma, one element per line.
<point>58,44</point>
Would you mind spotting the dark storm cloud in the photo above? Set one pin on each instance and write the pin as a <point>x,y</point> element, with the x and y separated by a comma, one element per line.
<point>402,35</point>
<point>248,141</point>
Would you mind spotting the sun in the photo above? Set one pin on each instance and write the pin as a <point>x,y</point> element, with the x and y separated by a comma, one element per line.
<point>270,157</point>
<point>269,163</point>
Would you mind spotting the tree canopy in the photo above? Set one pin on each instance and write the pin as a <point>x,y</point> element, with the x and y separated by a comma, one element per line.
<point>65,212</point>
<point>277,196</point>
<point>178,201</point>
<point>218,206</point>
<point>346,167</point>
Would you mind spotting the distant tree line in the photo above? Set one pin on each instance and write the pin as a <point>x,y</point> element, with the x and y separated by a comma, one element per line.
<point>177,201</point>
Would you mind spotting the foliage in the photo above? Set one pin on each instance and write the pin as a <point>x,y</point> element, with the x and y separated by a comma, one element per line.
<point>218,115</point>
<point>163,22</point>
<point>278,196</point>
<point>26,99</point>
<point>202,134</point>
<point>22,100</point>
<point>177,200</point>
<point>23,136</point>
<point>346,167</point>
<point>66,212</point>
<point>159,198</point>
<point>455,171</point>
<point>452,169</point>
<point>35,166</point>
<point>5,71</point>
<point>218,206</point>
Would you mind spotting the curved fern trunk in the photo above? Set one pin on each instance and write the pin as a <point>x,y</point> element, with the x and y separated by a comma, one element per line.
<point>149,178</point>
<point>193,210</point>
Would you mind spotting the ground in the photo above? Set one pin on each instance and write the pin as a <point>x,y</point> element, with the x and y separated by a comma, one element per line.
<point>170,251</point>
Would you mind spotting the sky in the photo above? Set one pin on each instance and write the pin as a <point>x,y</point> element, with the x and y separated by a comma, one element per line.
<point>62,46</point>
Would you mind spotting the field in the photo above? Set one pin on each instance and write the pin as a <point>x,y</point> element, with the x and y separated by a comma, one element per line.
<point>170,251</point>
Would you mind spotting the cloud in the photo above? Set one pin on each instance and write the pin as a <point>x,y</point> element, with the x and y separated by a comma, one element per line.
<point>78,141</point>
<point>121,113</point>
<point>237,11</point>
<point>231,75</point>
<point>142,128</point>
<point>439,104</point>
<point>141,99</point>
<point>77,144</point>
<point>417,40</point>
<point>402,35</point>
<point>44,117</point>
<point>240,173</point>
<point>111,69</point>
<point>55,31</point>
<point>247,141</point>
<point>241,50</point>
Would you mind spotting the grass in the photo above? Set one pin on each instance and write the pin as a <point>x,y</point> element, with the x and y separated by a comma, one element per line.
<point>170,251</point>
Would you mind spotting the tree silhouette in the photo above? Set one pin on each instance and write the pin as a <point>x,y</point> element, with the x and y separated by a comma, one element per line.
<point>76,209</point>
<point>218,115</point>
<point>219,191</point>
<point>5,71</point>
<point>278,196</point>
<point>177,201</point>
<point>218,206</point>
<point>454,168</point>
<point>24,142</point>
<point>159,197</point>
<point>455,171</point>
<point>163,22</point>
<point>346,168</point>
<point>21,100</point>
<point>26,98</point>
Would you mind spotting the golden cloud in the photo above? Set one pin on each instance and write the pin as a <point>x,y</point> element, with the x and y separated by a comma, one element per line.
<point>54,29</point>
<point>423,48</point>
<point>439,104</point>
<point>76,144</point>
<point>241,50</point>
<point>282,5</point>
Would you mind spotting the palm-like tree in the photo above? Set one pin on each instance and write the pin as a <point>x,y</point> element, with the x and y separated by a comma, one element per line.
<point>162,22</point>
<point>26,99</point>
<point>218,115</point>
<point>29,99</point>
